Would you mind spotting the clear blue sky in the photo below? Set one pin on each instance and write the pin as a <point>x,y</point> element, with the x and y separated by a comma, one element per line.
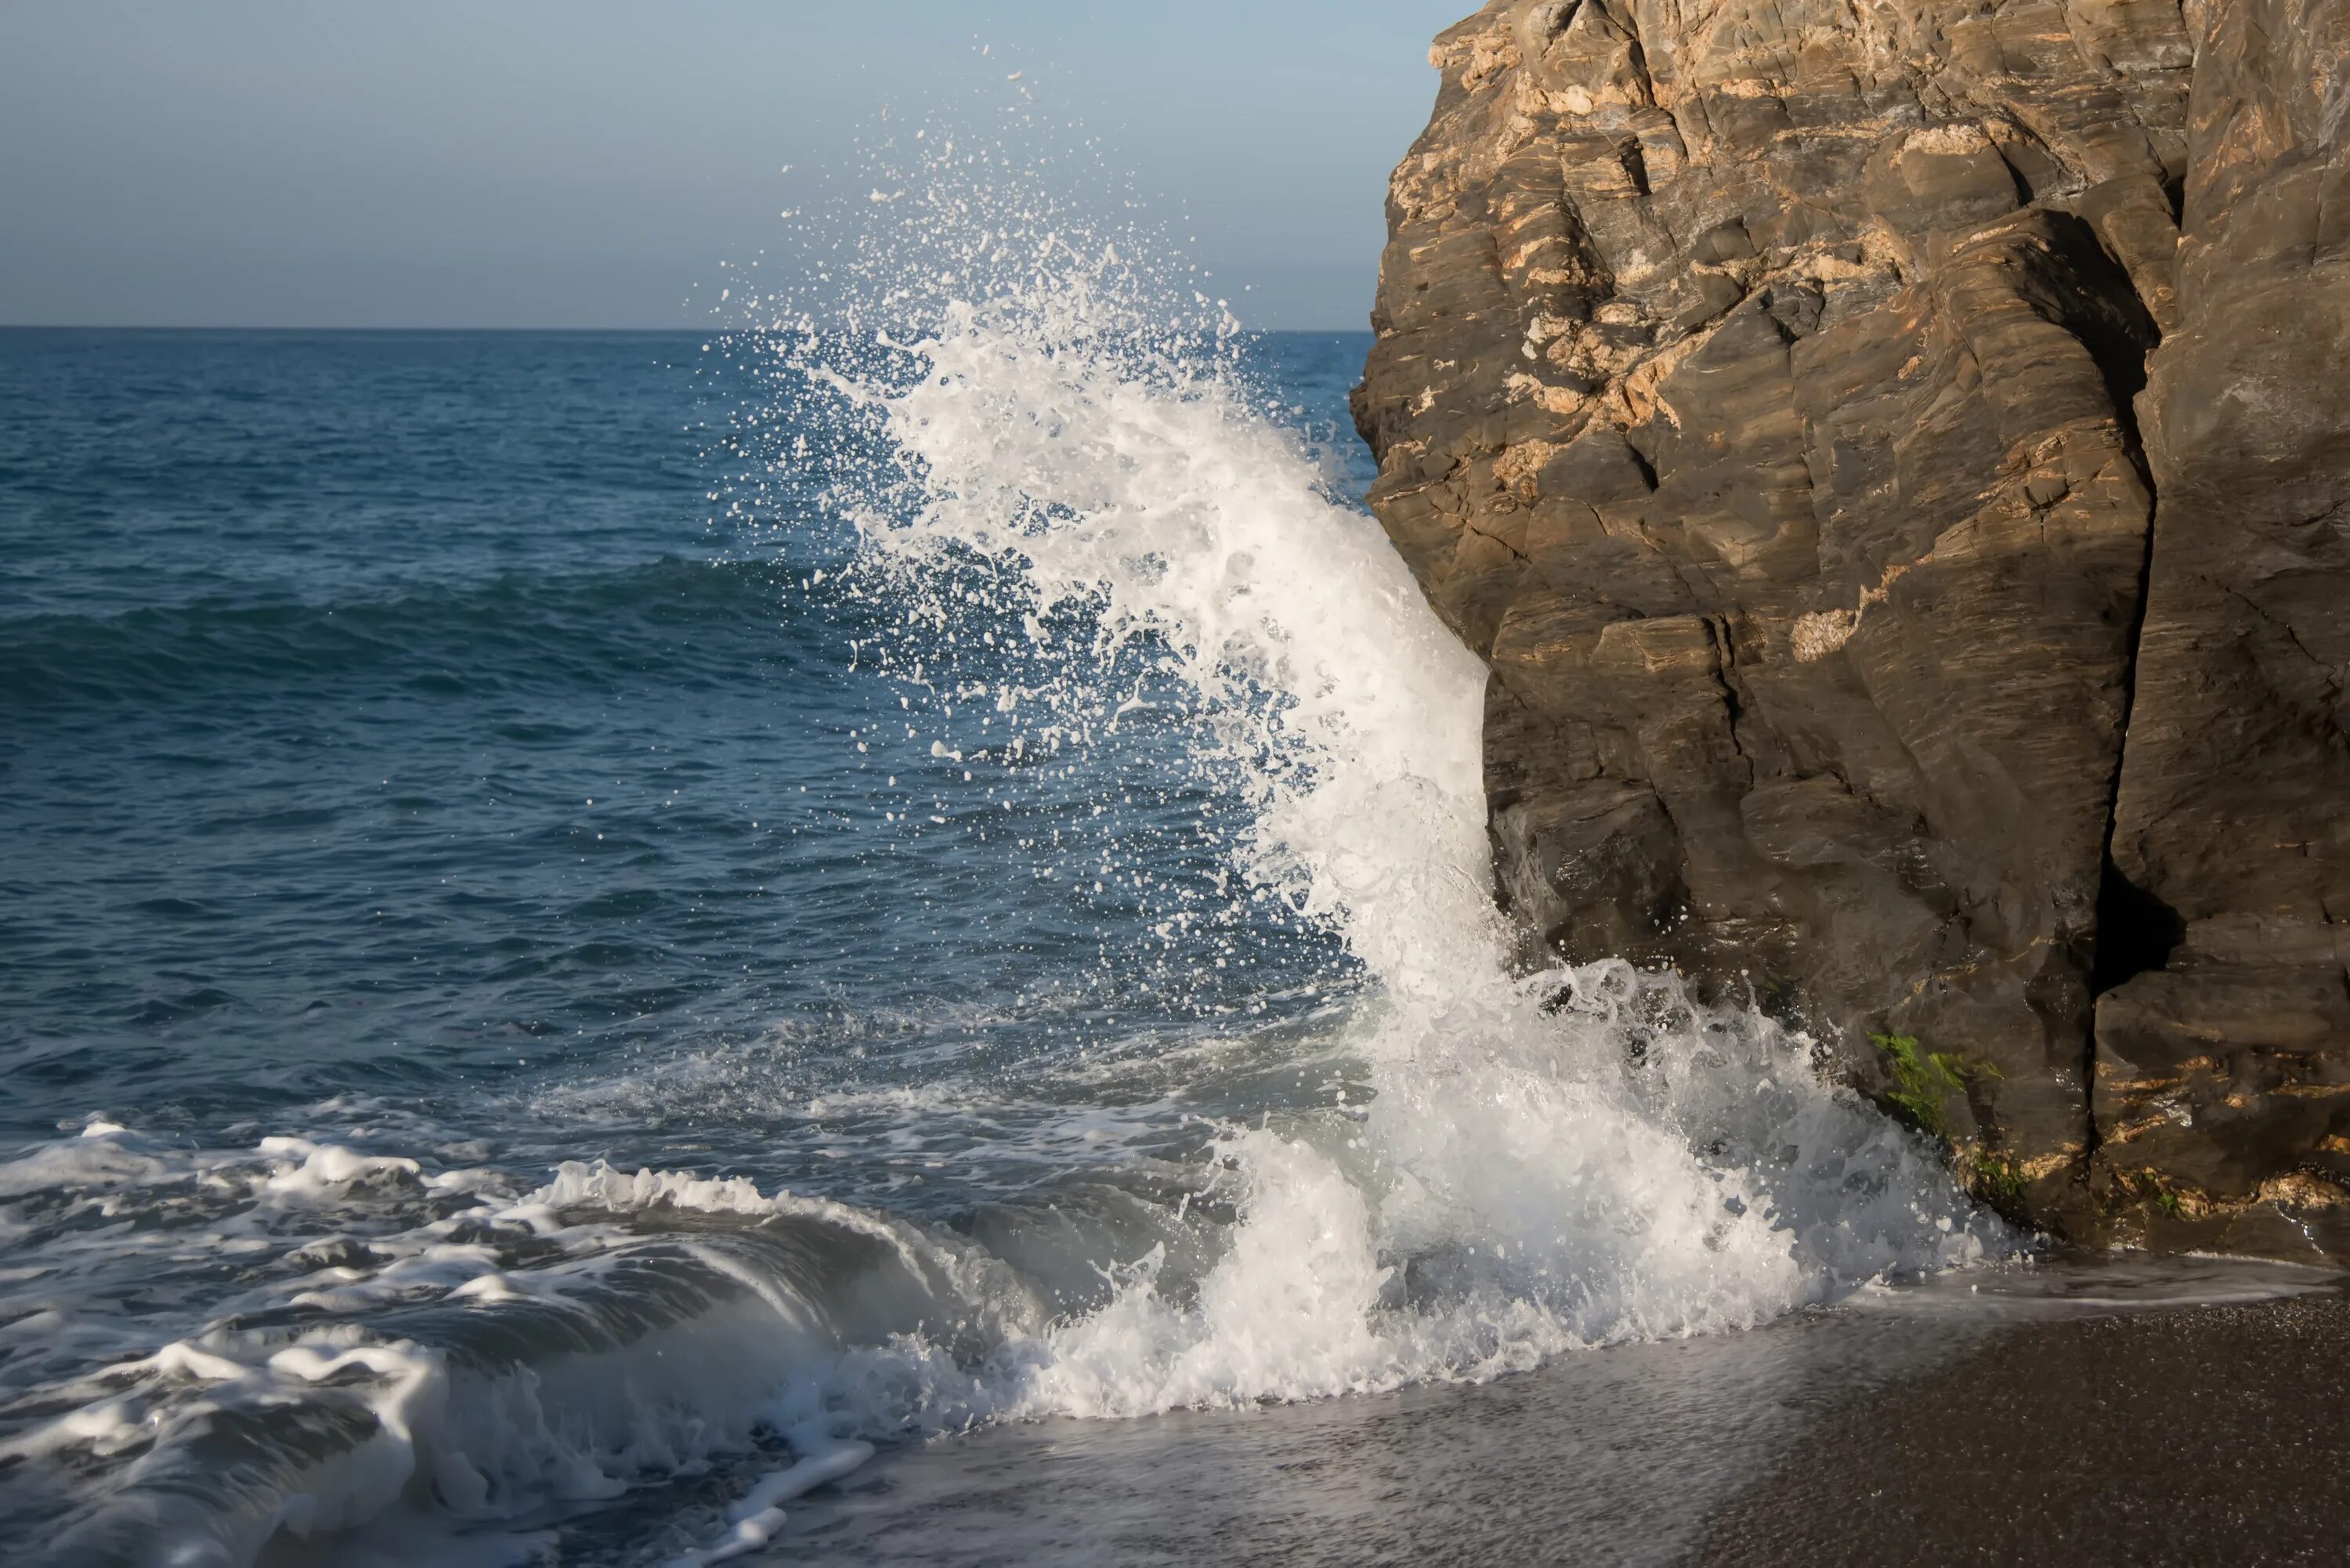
<point>587,162</point>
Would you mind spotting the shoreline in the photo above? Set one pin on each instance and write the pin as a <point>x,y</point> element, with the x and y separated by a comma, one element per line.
<point>1936,1423</point>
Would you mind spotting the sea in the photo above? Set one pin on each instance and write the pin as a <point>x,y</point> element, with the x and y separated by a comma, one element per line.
<point>865,936</point>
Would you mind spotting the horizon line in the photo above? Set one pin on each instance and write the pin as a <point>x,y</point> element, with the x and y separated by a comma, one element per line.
<point>640,331</point>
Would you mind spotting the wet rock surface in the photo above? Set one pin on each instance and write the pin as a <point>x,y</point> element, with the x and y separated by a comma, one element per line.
<point>1896,462</point>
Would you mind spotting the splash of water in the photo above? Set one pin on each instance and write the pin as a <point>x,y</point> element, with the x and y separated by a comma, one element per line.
<point>1561,1160</point>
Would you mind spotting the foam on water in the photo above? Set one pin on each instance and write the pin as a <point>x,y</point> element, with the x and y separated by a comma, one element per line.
<point>1047,454</point>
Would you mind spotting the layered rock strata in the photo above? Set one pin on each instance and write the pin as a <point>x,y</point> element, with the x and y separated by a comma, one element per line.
<point>1896,462</point>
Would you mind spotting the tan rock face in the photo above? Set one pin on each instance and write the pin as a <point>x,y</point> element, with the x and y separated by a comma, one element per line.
<point>1813,413</point>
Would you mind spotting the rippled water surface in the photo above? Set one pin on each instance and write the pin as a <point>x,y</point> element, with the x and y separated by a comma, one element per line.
<point>401,716</point>
<point>601,932</point>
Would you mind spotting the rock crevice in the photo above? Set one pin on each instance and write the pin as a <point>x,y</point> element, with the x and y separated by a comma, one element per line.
<point>1893,460</point>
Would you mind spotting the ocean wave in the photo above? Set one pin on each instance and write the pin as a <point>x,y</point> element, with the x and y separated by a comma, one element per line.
<point>512,632</point>
<point>406,1340</point>
<point>422,1340</point>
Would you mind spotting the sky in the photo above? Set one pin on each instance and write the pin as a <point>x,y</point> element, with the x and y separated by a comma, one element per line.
<point>590,163</point>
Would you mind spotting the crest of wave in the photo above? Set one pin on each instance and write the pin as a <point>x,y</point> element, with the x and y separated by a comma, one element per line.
<point>1070,454</point>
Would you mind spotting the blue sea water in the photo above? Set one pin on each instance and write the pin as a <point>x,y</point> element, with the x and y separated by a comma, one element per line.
<point>399,715</point>
<point>594,925</point>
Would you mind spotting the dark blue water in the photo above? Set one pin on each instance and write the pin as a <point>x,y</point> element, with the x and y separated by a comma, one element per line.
<point>405,716</point>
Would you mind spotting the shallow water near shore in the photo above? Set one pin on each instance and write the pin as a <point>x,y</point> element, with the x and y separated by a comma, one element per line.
<point>866,937</point>
<point>1623,1456</point>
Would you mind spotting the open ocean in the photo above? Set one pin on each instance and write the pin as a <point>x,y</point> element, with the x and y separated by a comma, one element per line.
<point>638,948</point>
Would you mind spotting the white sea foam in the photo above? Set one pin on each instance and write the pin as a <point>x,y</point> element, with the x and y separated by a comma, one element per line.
<point>555,1344</point>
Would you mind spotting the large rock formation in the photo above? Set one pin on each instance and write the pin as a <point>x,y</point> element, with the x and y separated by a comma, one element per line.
<point>1895,460</point>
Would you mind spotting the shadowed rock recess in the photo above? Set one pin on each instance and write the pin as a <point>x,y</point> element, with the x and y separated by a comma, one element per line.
<point>1896,462</point>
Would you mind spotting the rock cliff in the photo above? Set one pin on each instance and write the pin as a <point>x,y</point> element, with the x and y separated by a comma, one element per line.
<point>1895,459</point>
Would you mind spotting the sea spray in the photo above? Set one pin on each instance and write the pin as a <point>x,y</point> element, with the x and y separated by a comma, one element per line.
<point>1072,463</point>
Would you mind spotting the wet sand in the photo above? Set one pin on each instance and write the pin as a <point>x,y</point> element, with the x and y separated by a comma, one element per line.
<point>2203,1435</point>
